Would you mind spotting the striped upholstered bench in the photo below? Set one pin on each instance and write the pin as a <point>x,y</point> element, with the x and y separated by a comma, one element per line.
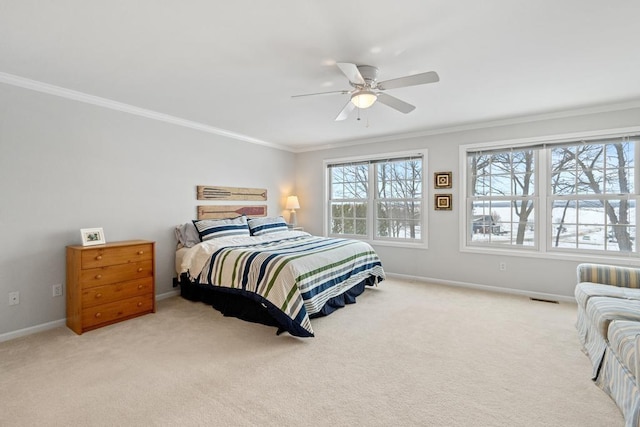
<point>608,326</point>
<point>598,280</point>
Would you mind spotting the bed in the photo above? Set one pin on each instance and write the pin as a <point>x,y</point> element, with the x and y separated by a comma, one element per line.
<point>275,276</point>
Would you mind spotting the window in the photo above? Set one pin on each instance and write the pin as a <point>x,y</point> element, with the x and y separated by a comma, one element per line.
<point>592,189</point>
<point>377,199</point>
<point>349,199</point>
<point>570,196</point>
<point>503,198</point>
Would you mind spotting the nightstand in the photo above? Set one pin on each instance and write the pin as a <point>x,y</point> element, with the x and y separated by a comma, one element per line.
<point>296,228</point>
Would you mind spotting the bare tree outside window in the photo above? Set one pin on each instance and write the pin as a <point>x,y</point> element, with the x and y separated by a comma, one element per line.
<point>349,195</point>
<point>399,190</point>
<point>502,182</point>
<point>590,202</point>
<point>592,184</point>
<point>394,207</point>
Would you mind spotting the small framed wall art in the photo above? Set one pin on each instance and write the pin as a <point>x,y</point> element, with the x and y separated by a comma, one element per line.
<point>92,236</point>
<point>442,202</point>
<point>442,180</point>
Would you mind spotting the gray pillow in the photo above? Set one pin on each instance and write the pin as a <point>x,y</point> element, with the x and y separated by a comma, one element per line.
<point>187,235</point>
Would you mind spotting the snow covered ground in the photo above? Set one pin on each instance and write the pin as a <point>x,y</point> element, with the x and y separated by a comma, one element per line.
<point>587,229</point>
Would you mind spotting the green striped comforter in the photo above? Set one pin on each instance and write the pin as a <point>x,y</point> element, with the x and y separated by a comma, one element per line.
<point>295,275</point>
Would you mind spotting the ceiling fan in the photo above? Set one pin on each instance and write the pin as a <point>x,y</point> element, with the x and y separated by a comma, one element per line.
<point>367,89</point>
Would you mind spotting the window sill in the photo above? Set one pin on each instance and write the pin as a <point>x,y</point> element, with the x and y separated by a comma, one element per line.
<point>555,255</point>
<point>406,245</point>
<point>390,243</point>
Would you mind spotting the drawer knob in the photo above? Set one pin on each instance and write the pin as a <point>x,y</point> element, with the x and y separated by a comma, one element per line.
<point>99,257</point>
<point>139,304</point>
<point>139,286</point>
<point>140,252</point>
<point>98,276</point>
<point>139,269</point>
<point>98,295</point>
<point>98,315</point>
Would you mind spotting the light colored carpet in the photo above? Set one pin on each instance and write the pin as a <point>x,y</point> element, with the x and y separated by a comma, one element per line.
<point>405,354</point>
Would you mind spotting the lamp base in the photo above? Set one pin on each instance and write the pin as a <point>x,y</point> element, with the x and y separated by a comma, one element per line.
<point>293,221</point>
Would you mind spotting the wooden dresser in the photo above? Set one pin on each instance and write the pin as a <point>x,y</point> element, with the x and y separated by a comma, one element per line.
<point>109,283</point>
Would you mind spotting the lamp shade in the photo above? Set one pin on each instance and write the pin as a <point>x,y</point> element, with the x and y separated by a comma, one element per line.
<point>292,203</point>
<point>363,98</point>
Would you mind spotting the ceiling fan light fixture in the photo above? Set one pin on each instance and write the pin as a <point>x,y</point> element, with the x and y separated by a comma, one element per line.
<point>364,98</point>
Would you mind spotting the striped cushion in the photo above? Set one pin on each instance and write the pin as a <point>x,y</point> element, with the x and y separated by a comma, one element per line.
<point>602,310</point>
<point>586,290</point>
<point>613,275</point>
<point>212,228</point>
<point>260,226</point>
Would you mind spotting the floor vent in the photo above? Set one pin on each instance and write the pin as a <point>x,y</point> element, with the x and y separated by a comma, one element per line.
<point>544,300</point>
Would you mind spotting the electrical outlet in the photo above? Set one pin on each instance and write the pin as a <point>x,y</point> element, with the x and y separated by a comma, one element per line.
<point>57,290</point>
<point>14,298</point>
<point>502,266</point>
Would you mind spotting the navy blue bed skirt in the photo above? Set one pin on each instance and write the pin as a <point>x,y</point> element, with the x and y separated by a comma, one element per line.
<point>245,306</point>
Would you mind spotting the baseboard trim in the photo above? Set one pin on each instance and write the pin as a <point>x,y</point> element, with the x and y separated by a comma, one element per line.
<point>166,295</point>
<point>61,322</point>
<point>528,294</point>
<point>32,330</point>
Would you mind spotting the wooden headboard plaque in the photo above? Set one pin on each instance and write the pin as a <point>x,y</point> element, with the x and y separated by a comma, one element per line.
<point>208,192</point>
<point>226,211</point>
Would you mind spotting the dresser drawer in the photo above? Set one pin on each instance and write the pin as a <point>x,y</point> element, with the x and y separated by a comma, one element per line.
<point>93,316</point>
<point>100,257</point>
<point>116,291</point>
<point>115,273</point>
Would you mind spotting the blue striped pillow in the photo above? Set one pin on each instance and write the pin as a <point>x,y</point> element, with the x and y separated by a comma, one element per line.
<point>261,226</point>
<point>211,228</point>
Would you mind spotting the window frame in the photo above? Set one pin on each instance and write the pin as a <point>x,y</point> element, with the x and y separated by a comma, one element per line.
<point>513,196</point>
<point>372,199</point>
<point>542,247</point>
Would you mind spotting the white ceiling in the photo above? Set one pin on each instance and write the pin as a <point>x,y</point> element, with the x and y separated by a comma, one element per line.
<point>234,65</point>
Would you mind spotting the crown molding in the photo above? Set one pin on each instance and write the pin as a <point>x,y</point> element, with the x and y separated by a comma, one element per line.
<point>478,125</point>
<point>62,92</point>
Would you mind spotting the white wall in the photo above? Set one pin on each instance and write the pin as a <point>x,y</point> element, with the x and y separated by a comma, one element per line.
<point>65,165</point>
<point>443,261</point>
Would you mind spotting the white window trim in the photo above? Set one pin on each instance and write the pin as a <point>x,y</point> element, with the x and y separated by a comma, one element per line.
<point>371,239</point>
<point>541,249</point>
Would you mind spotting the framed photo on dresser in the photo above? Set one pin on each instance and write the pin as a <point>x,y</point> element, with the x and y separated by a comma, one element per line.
<point>92,236</point>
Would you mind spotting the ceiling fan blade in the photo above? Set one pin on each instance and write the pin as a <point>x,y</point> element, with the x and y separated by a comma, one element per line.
<point>352,72</point>
<point>395,103</point>
<point>414,80</point>
<point>342,92</point>
<point>346,110</point>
